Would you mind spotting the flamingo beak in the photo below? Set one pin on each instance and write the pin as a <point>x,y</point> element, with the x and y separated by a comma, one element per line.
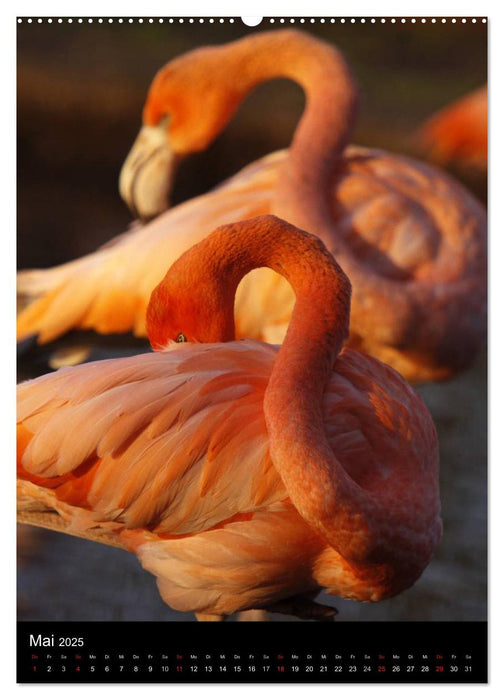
<point>148,172</point>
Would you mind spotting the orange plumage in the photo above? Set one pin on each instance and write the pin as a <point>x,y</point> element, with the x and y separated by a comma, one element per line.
<point>458,133</point>
<point>242,474</point>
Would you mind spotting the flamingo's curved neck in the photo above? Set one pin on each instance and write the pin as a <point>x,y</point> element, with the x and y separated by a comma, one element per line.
<point>331,94</point>
<point>348,517</point>
<point>304,187</point>
<point>304,190</point>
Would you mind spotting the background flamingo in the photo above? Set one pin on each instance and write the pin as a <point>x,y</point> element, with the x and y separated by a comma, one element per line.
<point>408,236</point>
<point>230,505</point>
<point>458,133</point>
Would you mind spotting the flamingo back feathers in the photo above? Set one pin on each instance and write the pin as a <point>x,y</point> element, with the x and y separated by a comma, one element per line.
<point>169,452</point>
<point>164,445</point>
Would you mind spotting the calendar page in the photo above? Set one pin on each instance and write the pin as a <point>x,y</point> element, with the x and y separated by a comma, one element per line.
<point>251,338</point>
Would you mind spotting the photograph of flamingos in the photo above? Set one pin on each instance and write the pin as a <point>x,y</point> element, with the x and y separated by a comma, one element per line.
<point>251,327</point>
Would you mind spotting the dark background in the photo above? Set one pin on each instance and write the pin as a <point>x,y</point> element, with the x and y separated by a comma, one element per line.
<point>81,89</point>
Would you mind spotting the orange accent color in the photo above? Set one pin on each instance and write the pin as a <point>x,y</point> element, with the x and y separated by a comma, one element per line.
<point>115,313</point>
<point>23,437</point>
<point>459,132</point>
<point>72,488</point>
<point>28,321</point>
<point>76,489</point>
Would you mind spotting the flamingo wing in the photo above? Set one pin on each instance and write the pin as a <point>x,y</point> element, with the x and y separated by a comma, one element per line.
<point>169,452</point>
<point>172,442</point>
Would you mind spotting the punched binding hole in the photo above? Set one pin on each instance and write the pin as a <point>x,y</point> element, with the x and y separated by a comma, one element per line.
<point>251,21</point>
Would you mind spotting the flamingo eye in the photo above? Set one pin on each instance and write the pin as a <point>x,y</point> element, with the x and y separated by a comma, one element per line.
<point>181,338</point>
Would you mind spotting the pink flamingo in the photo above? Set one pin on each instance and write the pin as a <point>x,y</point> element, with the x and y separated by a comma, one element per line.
<point>242,475</point>
<point>411,239</point>
<point>459,132</point>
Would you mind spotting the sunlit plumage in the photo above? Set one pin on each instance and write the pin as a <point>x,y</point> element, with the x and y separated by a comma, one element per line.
<point>458,133</point>
<point>239,473</point>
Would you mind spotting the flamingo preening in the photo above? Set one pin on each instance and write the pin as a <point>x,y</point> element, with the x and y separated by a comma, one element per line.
<point>243,475</point>
<point>411,239</point>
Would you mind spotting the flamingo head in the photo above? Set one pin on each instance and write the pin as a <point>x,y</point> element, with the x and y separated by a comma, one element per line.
<point>148,172</point>
<point>170,320</point>
<point>190,305</point>
<point>190,101</point>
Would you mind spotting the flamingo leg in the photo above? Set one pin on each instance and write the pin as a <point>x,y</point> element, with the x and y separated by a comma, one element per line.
<point>253,616</point>
<point>208,617</point>
<point>304,608</point>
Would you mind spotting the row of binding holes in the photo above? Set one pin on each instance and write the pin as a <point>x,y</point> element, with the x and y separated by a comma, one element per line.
<point>139,20</point>
<point>273,20</point>
<point>381,20</point>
